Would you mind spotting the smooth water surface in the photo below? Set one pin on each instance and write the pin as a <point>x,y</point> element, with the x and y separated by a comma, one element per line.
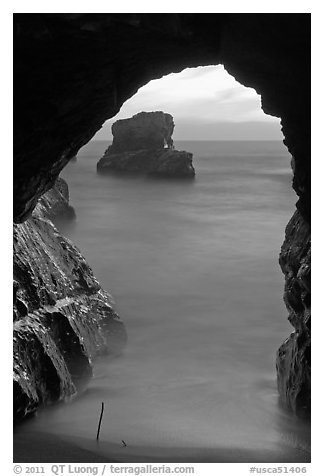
<point>193,268</point>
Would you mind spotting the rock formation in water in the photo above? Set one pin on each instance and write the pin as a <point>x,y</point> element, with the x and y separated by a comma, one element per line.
<point>63,318</point>
<point>82,67</point>
<point>55,203</point>
<point>143,144</point>
<point>145,130</point>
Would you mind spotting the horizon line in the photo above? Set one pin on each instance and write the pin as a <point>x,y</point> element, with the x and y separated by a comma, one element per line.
<point>206,140</point>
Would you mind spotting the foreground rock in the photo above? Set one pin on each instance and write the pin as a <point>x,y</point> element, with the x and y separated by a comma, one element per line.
<point>63,319</point>
<point>143,144</point>
<point>294,356</point>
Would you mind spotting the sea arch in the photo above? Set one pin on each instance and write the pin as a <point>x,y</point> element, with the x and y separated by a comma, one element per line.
<point>74,71</point>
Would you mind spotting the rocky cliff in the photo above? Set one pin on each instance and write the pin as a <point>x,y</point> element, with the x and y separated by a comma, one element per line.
<point>73,71</point>
<point>63,318</point>
<point>294,356</point>
<point>143,144</point>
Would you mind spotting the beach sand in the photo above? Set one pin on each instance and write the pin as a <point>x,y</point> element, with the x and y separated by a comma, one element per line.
<point>39,447</point>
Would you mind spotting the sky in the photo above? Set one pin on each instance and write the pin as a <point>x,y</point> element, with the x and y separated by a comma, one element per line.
<point>206,104</point>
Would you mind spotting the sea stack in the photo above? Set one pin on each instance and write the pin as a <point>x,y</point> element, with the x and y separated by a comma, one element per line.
<point>143,144</point>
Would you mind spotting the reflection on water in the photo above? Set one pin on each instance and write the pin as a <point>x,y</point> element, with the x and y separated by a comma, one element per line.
<point>193,267</point>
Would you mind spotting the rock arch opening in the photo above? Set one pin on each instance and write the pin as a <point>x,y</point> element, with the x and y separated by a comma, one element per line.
<point>206,103</point>
<point>73,71</point>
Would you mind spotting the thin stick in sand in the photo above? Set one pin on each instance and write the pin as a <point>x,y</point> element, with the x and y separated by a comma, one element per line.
<point>99,424</point>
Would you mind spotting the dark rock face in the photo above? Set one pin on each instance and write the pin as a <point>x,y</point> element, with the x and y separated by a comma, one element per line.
<point>74,71</point>
<point>156,162</point>
<point>294,356</point>
<point>63,319</point>
<point>145,130</point>
<point>138,147</point>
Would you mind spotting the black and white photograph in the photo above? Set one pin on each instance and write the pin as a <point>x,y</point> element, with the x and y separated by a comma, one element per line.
<point>162,217</point>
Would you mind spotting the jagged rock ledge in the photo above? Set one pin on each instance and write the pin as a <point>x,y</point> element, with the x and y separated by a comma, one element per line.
<point>143,144</point>
<point>63,319</point>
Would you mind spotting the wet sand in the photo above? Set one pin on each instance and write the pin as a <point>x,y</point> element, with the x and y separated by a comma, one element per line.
<point>39,447</point>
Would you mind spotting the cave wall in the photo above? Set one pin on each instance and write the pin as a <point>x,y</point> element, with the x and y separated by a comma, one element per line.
<point>294,355</point>
<point>74,71</point>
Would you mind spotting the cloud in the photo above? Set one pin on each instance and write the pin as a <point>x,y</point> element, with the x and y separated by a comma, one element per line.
<point>199,72</point>
<point>201,96</point>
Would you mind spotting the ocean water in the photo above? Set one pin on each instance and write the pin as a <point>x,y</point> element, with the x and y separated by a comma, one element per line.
<point>193,269</point>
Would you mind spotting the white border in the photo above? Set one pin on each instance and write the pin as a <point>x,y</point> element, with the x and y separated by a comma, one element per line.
<point>7,8</point>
